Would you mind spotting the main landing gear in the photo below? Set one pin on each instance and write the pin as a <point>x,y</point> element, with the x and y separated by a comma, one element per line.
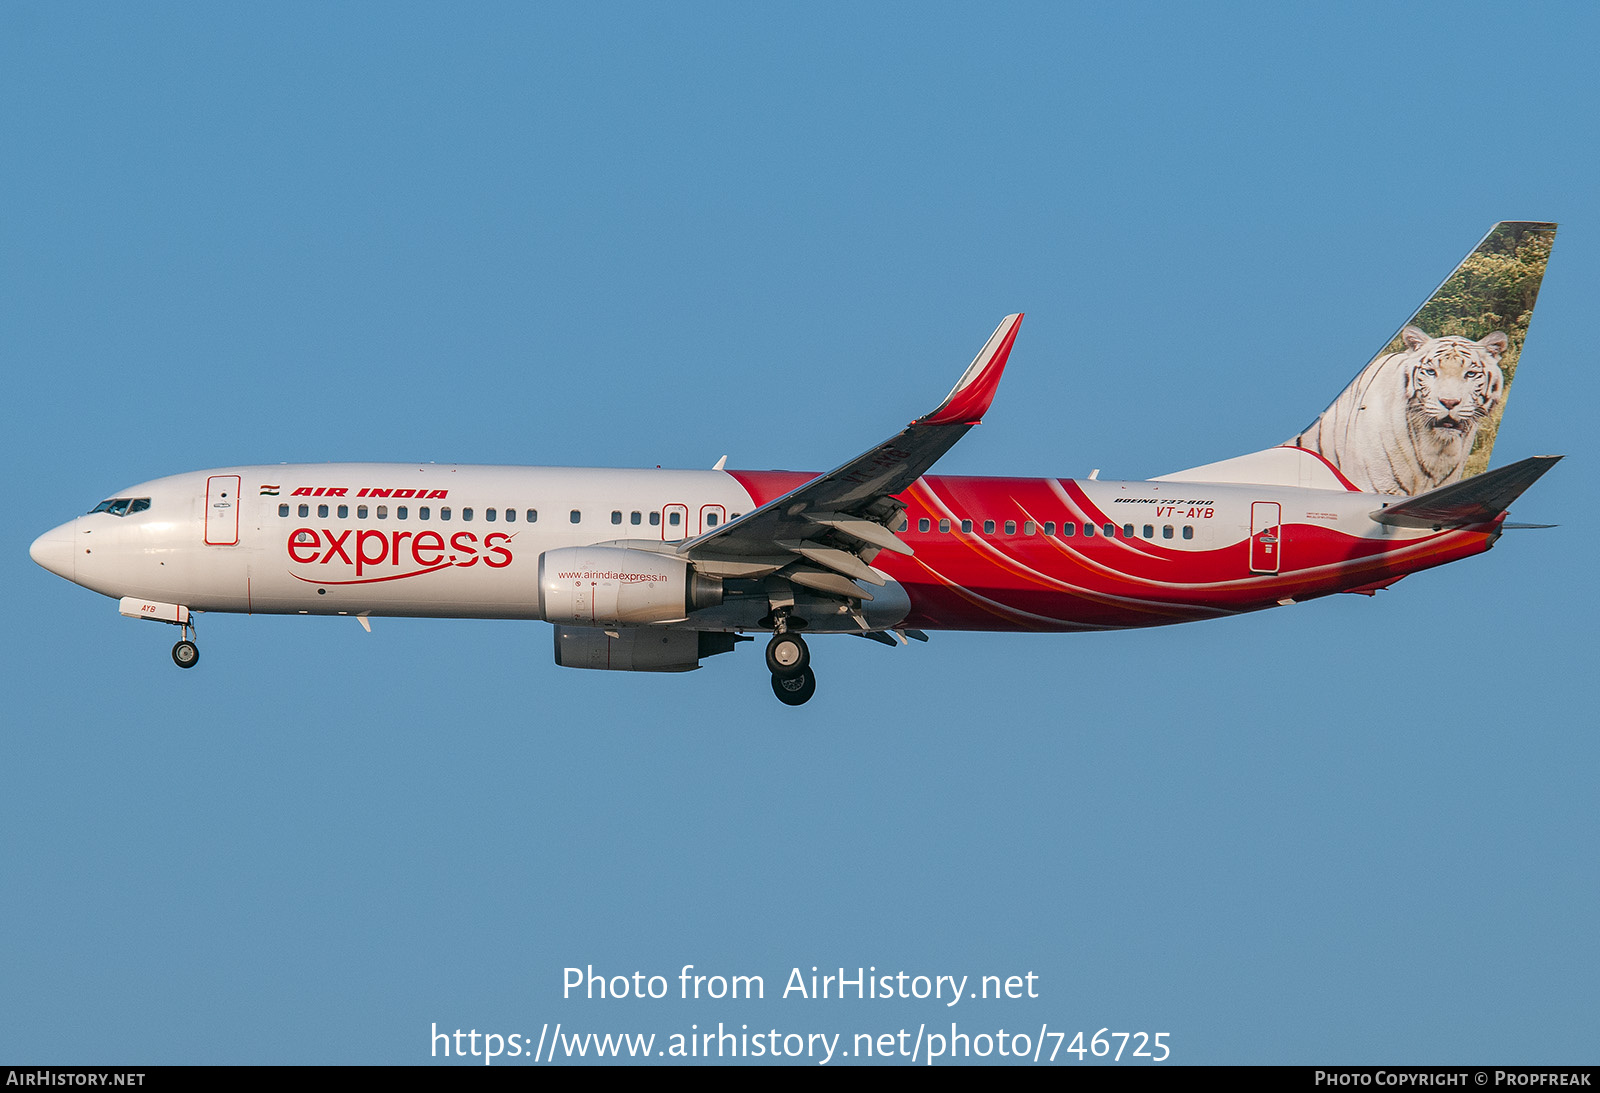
<point>789,661</point>
<point>795,690</point>
<point>186,654</point>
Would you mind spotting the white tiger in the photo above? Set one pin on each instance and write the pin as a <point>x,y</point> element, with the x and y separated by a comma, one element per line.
<point>1407,423</point>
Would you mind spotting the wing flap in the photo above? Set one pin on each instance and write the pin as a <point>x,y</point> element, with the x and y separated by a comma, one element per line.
<point>840,561</point>
<point>831,583</point>
<point>868,531</point>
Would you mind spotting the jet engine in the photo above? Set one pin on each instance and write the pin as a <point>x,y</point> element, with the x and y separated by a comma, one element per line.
<point>620,586</point>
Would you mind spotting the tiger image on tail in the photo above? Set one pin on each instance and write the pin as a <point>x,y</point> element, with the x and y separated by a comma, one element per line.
<point>1407,423</point>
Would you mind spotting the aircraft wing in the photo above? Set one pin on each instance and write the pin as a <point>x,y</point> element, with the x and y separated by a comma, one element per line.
<point>1475,500</point>
<point>823,534</point>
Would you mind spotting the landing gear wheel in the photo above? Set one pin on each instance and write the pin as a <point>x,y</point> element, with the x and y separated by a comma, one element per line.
<point>787,656</point>
<point>795,690</point>
<point>185,654</point>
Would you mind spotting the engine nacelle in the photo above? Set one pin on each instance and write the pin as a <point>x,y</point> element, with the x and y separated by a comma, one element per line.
<point>637,650</point>
<point>619,586</point>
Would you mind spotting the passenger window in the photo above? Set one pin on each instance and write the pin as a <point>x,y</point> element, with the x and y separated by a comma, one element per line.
<point>383,512</point>
<point>400,512</point>
<point>904,524</point>
<point>634,518</point>
<point>1011,527</point>
<point>283,510</point>
<point>1088,530</point>
<point>466,514</point>
<point>674,518</point>
<point>923,524</point>
<point>1127,531</point>
<point>944,526</point>
<point>1049,527</point>
<point>344,512</point>
<point>711,519</point>
<point>423,513</point>
<point>511,516</point>
<point>444,512</point>
<point>1110,530</point>
<point>361,512</point>
<point>616,516</point>
<point>1188,531</point>
<point>1028,528</point>
<point>1166,531</point>
<point>988,527</point>
<point>488,514</point>
<point>655,519</point>
<point>575,516</point>
<point>322,511</point>
<point>1069,528</point>
<point>305,510</point>
<point>1149,531</point>
<point>966,527</point>
<point>533,516</point>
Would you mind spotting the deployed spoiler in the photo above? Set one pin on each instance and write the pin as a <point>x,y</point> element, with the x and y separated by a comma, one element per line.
<point>1475,500</point>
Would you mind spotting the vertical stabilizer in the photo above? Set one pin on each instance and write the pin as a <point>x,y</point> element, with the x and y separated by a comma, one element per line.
<point>1425,411</point>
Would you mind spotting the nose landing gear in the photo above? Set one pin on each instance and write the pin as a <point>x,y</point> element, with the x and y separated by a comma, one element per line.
<point>186,654</point>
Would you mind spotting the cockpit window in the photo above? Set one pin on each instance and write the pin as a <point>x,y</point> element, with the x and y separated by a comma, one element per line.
<point>121,506</point>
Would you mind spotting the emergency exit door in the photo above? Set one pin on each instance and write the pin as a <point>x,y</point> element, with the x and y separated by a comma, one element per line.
<point>674,522</point>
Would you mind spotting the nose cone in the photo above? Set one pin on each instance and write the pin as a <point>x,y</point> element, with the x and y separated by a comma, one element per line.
<point>55,550</point>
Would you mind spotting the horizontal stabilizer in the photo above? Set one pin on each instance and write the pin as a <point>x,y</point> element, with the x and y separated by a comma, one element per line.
<point>1473,501</point>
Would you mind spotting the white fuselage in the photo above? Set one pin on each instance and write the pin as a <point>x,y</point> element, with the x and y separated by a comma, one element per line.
<point>433,540</point>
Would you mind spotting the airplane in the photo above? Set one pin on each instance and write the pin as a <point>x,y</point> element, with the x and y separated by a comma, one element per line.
<point>655,570</point>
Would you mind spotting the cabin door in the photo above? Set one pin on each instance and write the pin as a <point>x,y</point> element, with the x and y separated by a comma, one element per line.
<point>222,510</point>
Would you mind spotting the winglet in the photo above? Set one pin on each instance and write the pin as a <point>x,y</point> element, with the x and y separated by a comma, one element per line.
<point>969,400</point>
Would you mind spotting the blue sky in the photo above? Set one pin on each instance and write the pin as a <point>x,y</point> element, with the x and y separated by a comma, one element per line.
<point>1351,831</point>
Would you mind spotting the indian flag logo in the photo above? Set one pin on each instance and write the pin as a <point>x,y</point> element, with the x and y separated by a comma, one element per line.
<point>269,491</point>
